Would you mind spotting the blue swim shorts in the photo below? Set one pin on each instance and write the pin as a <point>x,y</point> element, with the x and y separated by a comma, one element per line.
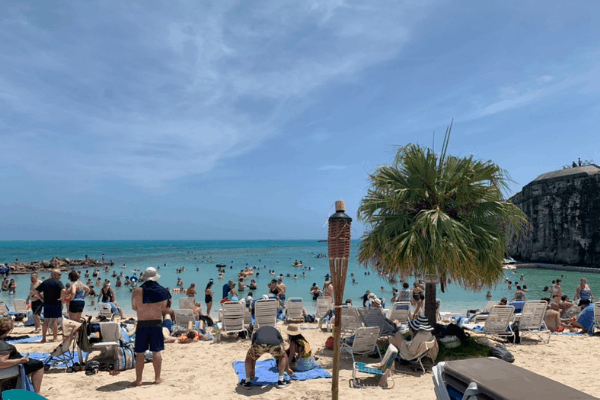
<point>52,310</point>
<point>149,336</point>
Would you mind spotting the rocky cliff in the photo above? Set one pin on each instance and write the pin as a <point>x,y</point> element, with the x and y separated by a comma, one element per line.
<point>563,208</point>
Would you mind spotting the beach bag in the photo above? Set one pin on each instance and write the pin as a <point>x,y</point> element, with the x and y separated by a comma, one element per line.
<point>450,341</point>
<point>329,343</point>
<point>455,330</point>
<point>309,318</point>
<point>515,329</point>
<point>502,353</point>
<point>124,357</point>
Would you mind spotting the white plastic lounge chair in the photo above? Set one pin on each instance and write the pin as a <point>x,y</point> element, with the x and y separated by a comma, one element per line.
<point>384,368</point>
<point>187,303</point>
<point>495,379</point>
<point>375,317</point>
<point>232,319</point>
<point>596,316</point>
<point>351,321</point>
<point>265,312</point>
<point>104,310</point>
<point>20,306</point>
<point>532,319</point>
<point>294,308</point>
<point>110,333</point>
<point>400,312</point>
<point>498,321</point>
<point>364,343</point>
<point>323,308</point>
<point>184,317</point>
<point>482,316</point>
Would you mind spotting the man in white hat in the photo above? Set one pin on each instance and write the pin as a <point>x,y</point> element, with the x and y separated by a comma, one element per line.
<point>422,339</point>
<point>149,300</point>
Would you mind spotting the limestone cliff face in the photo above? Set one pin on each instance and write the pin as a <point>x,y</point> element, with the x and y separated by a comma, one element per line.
<point>563,208</point>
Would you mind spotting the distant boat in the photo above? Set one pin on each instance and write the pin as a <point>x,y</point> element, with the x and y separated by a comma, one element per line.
<point>322,241</point>
<point>221,266</point>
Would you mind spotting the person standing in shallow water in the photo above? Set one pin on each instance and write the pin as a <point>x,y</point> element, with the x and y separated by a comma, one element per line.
<point>149,300</point>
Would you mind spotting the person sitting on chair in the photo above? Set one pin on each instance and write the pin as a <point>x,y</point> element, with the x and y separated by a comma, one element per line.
<point>421,336</point>
<point>9,357</point>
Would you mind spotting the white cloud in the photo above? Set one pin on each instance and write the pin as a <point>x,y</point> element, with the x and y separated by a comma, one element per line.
<point>155,93</point>
<point>333,168</point>
<point>545,79</point>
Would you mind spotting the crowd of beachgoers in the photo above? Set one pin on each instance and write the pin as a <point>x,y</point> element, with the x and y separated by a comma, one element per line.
<point>51,300</point>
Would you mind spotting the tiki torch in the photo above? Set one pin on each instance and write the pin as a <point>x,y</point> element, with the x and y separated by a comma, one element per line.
<point>339,253</point>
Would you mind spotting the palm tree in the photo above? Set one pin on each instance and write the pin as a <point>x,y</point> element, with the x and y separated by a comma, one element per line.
<point>434,214</point>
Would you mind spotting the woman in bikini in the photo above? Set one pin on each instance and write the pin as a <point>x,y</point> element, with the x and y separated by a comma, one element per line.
<point>208,297</point>
<point>417,297</point>
<point>191,291</point>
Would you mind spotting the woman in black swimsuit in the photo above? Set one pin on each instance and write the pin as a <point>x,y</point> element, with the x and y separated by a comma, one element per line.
<point>208,297</point>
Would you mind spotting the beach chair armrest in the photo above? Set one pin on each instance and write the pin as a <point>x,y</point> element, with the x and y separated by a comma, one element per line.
<point>472,390</point>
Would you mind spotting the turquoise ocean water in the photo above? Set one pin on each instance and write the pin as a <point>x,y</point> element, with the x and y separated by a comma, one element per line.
<point>200,258</point>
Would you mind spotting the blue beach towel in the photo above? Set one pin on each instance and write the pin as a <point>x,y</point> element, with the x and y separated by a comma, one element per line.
<point>306,328</point>
<point>67,356</point>
<point>267,373</point>
<point>31,339</point>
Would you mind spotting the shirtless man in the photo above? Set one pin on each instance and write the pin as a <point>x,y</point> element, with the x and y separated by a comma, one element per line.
<point>282,288</point>
<point>37,304</point>
<point>328,290</point>
<point>552,317</point>
<point>149,300</point>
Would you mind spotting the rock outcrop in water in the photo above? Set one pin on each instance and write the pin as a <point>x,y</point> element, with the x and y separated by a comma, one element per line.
<point>60,263</point>
<point>563,208</point>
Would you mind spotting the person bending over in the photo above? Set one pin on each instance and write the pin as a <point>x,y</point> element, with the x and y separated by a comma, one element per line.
<point>266,339</point>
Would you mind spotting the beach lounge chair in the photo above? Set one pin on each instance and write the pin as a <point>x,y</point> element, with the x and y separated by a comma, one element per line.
<point>532,319</point>
<point>294,308</point>
<point>383,369</point>
<point>186,303</point>
<point>104,310</point>
<point>10,378</point>
<point>482,316</point>
<point>364,343</point>
<point>20,306</point>
<point>232,319</point>
<point>375,317</point>
<point>265,312</point>
<point>111,335</point>
<point>499,320</point>
<point>351,320</point>
<point>495,379</point>
<point>400,312</point>
<point>323,309</point>
<point>183,319</point>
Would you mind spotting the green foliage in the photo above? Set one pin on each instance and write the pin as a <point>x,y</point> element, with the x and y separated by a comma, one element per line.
<point>430,213</point>
<point>473,350</point>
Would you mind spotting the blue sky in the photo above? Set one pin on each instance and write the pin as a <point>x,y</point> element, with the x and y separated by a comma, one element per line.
<point>247,120</point>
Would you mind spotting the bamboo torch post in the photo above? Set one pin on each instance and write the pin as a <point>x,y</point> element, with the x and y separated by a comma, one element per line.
<point>339,253</point>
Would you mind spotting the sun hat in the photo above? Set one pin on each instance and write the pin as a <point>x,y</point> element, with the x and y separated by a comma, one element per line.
<point>291,330</point>
<point>421,323</point>
<point>150,275</point>
<point>377,301</point>
<point>372,296</point>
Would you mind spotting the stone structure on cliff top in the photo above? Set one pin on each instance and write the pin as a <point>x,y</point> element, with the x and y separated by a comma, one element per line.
<point>563,208</point>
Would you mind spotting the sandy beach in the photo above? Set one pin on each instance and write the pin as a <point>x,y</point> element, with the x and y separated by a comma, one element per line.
<point>204,370</point>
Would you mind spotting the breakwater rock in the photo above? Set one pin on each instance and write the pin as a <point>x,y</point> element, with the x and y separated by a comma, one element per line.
<point>62,264</point>
<point>563,208</point>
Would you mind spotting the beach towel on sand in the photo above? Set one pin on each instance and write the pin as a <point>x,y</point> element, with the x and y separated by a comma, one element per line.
<point>31,339</point>
<point>267,373</point>
<point>66,356</point>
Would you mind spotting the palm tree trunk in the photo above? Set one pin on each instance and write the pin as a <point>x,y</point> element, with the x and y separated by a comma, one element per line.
<point>430,299</point>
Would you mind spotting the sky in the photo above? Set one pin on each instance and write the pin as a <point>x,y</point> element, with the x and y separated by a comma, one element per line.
<point>247,120</point>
